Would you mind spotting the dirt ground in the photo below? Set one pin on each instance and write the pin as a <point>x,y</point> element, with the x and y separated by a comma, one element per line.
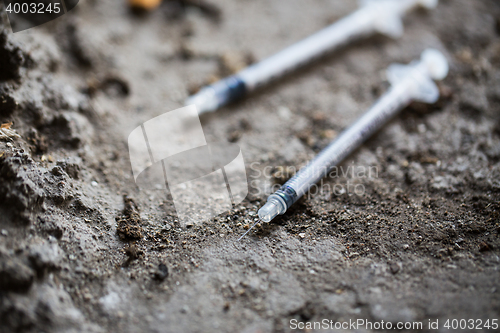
<point>82,249</point>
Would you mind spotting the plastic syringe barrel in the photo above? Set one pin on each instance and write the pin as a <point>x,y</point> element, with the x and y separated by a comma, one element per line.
<point>412,82</point>
<point>334,153</point>
<point>358,24</point>
<point>383,16</point>
<point>389,105</point>
<point>375,15</point>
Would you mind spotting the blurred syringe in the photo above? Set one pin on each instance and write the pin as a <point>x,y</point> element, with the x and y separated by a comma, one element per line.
<point>413,82</point>
<point>382,16</point>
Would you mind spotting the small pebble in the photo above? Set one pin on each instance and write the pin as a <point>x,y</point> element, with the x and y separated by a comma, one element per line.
<point>4,232</point>
<point>302,235</point>
<point>162,272</point>
<point>328,134</point>
<point>226,307</point>
<point>87,296</point>
<point>394,267</point>
<point>284,112</point>
<point>94,183</point>
<point>421,128</point>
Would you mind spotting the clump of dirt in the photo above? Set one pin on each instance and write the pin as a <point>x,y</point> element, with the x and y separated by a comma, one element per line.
<point>7,103</point>
<point>177,8</point>
<point>129,223</point>
<point>15,275</point>
<point>11,57</point>
<point>22,192</point>
<point>161,272</point>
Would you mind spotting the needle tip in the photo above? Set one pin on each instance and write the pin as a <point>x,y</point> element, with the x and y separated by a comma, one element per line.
<point>248,230</point>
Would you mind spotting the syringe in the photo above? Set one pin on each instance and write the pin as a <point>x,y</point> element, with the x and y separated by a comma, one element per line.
<point>383,16</point>
<point>413,82</point>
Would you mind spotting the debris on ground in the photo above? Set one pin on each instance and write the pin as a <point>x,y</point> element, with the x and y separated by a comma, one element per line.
<point>144,4</point>
<point>7,133</point>
<point>161,272</point>
<point>129,223</point>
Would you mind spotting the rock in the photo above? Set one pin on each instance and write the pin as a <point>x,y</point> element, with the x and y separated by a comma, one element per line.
<point>44,309</point>
<point>22,191</point>
<point>111,301</point>
<point>446,182</point>
<point>484,246</point>
<point>54,226</point>
<point>80,46</point>
<point>43,52</point>
<point>233,135</point>
<point>280,300</point>
<point>133,253</point>
<point>71,166</point>
<point>15,275</point>
<point>493,177</point>
<point>415,173</point>
<point>474,97</point>
<point>162,272</point>
<point>60,189</point>
<point>71,129</point>
<point>395,171</point>
<point>56,307</point>
<point>7,102</point>
<point>394,267</point>
<point>115,86</point>
<point>44,255</point>
<point>11,58</point>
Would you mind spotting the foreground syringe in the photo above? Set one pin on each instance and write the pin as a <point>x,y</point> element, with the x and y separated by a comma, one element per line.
<point>383,16</point>
<point>413,82</point>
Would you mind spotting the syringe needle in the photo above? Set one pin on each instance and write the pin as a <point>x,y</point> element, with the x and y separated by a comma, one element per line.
<point>382,16</point>
<point>248,230</point>
<point>409,82</point>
